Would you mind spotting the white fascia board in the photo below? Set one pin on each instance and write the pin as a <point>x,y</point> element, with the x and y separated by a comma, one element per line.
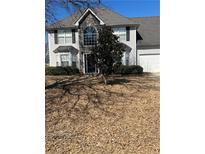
<point>77,22</point>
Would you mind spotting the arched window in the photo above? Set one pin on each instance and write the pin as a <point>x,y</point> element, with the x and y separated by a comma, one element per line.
<point>90,36</point>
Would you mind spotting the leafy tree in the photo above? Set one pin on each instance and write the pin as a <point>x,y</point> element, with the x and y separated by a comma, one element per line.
<point>108,52</point>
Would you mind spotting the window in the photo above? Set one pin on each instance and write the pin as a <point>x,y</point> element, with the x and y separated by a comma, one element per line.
<point>68,37</point>
<point>90,36</point>
<point>60,37</point>
<point>121,32</point>
<point>64,60</point>
<point>64,37</point>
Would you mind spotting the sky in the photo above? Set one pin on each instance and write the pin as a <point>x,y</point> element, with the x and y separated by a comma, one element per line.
<point>129,8</point>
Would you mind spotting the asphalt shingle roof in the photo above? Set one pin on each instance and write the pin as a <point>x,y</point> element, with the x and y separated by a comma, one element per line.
<point>148,27</point>
<point>65,49</point>
<point>109,17</point>
<point>149,30</point>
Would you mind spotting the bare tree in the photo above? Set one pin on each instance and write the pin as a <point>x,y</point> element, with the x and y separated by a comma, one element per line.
<point>51,7</point>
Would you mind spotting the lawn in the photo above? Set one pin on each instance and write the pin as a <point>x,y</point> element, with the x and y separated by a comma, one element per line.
<point>85,116</point>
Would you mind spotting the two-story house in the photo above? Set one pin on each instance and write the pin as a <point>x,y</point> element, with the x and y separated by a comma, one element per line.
<point>70,39</point>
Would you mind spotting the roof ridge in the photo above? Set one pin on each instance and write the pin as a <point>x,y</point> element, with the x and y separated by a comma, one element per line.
<point>113,11</point>
<point>107,15</point>
<point>145,17</point>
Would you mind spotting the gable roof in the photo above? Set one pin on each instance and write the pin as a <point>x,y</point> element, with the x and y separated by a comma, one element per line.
<point>148,30</point>
<point>87,12</point>
<point>107,16</point>
<point>111,18</point>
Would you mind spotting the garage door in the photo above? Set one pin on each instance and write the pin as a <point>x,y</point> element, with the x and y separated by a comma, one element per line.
<point>150,62</point>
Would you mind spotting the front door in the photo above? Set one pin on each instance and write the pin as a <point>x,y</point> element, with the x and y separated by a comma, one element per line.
<point>90,66</point>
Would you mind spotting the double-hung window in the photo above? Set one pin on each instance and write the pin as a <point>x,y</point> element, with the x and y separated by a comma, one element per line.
<point>68,37</point>
<point>60,37</point>
<point>121,33</point>
<point>64,37</point>
<point>64,60</point>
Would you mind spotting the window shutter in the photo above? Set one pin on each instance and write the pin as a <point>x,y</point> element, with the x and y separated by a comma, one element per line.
<point>128,33</point>
<point>73,35</point>
<point>55,37</point>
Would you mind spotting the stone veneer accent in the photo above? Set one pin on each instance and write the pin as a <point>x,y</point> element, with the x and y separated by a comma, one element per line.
<point>89,20</point>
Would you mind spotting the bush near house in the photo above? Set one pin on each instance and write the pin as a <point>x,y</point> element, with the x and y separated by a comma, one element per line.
<point>123,69</point>
<point>61,71</point>
<point>132,69</point>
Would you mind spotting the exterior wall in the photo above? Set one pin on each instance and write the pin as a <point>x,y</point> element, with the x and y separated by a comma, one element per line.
<point>55,57</point>
<point>58,57</point>
<point>132,44</point>
<point>90,20</point>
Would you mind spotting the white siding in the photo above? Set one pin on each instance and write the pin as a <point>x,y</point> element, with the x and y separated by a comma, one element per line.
<point>131,44</point>
<point>54,58</point>
<point>51,45</point>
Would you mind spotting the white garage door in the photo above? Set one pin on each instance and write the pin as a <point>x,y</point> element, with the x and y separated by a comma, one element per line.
<point>150,62</point>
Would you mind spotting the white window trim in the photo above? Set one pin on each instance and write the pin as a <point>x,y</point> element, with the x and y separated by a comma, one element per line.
<point>74,57</point>
<point>78,21</point>
<point>65,34</point>
<point>120,31</point>
<point>85,37</point>
<point>68,59</point>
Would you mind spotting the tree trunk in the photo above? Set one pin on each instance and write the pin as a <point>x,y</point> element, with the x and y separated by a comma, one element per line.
<point>104,79</point>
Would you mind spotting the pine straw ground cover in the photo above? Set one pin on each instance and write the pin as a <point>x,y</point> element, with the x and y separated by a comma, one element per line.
<point>85,116</point>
